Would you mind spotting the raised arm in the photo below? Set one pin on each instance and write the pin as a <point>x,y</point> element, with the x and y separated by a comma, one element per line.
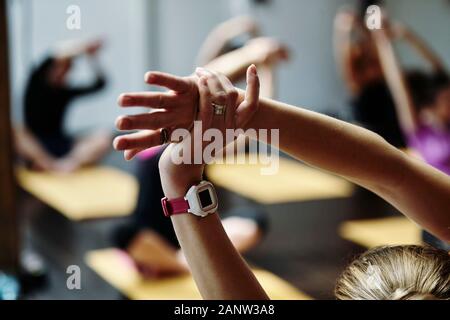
<point>267,77</point>
<point>260,51</point>
<point>395,78</point>
<point>345,24</point>
<point>73,49</point>
<point>418,44</point>
<point>221,35</point>
<point>417,190</point>
<point>91,50</point>
<point>218,269</point>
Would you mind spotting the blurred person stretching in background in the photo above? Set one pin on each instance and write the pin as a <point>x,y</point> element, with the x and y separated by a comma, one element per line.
<point>422,101</point>
<point>371,100</point>
<point>43,142</point>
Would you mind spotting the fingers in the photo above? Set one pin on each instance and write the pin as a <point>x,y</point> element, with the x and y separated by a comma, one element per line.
<point>206,110</point>
<point>222,92</point>
<point>219,96</point>
<point>249,106</point>
<point>131,154</point>
<point>147,121</point>
<point>139,140</point>
<point>147,99</point>
<point>252,92</point>
<point>232,96</point>
<point>168,81</point>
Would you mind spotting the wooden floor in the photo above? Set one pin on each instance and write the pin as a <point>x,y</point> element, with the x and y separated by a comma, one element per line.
<point>302,247</point>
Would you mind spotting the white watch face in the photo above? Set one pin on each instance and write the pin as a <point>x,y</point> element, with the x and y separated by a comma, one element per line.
<point>202,199</point>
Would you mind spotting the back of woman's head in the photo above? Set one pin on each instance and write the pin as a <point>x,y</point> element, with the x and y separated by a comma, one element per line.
<point>397,273</point>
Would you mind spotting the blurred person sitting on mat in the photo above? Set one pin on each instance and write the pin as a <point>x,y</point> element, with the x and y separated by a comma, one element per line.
<point>43,141</point>
<point>371,101</point>
<point>150,237</point>
<point>422,101</point>
<point>416,189</point>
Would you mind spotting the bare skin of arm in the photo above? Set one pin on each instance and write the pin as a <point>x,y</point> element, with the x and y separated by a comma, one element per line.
<point>260,51</point>
<point>268,79</point>
<point>419,191</point>
<point>73,49</point>
<point>220,272</point>
<point>419,44</point>
<point>338,147</point>
<point>218,269</point>
<point>345,24</point>
<point>222,34</point>
<point>263,50</point>
<point>396,81</point>
<point>233,65</point>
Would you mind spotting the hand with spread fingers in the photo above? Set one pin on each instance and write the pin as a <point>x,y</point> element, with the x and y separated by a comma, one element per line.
<point>221,107</point>
<point>206,96</point>
<point>169,110</point>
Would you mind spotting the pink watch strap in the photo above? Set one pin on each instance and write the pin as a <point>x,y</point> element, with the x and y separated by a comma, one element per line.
<point>174,207</point>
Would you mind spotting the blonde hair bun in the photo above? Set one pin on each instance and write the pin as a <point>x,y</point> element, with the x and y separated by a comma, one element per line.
<point>397,273</point>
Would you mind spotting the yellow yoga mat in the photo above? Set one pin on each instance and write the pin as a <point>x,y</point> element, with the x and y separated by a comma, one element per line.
<point>294,182</point>
<point>90,193</point>
<point>117,269</point>
<point>379,232</point>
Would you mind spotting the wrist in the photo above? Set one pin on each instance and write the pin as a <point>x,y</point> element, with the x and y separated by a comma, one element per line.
<point>177,180</point>
<point>253,54</point>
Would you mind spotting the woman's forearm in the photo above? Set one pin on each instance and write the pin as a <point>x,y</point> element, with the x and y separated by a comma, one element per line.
<point>222,34</point>
<point>424,50</point>
<point>333,145</point>
<point>218,269</point>
<point>361,156</point>
<point>346,24</point>
<point>396,81</point>
<point>267,79</point>
<point>234,64</point>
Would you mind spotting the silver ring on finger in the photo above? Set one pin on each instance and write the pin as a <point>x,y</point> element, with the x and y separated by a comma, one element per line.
<point>219,110</point>
<point>164,136</point>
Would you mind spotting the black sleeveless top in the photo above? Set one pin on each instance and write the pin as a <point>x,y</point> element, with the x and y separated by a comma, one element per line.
<point>375,109</point>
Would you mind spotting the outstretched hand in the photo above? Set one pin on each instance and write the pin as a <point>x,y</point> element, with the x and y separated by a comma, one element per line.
<point>214,89</point>
<point>169,110</point>
<point>182,105</point>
